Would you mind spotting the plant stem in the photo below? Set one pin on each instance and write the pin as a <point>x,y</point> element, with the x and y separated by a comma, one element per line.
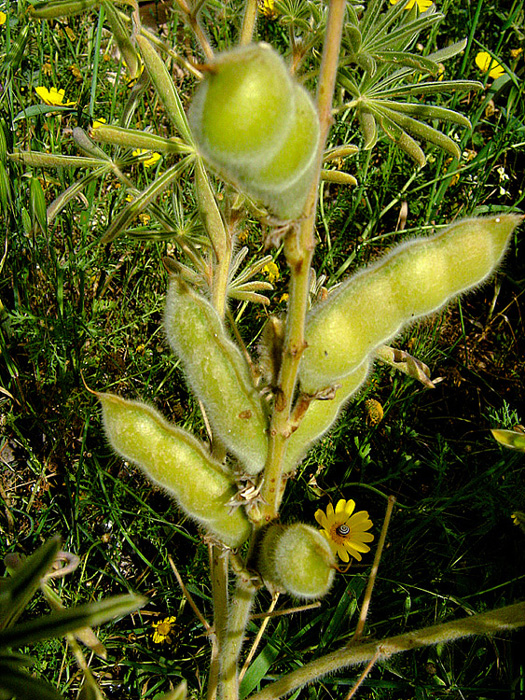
<point>373,573</point>
<point>219,562</point>
<point>248,22</point>
<point>242,601</point>
<point>299,249</point>
<point>504,619</point>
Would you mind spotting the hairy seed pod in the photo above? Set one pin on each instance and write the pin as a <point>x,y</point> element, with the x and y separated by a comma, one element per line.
<point>258,127</point>
<point>320,417</point>
<point>176,461</point>
<point>296,559</point>
<point>242,110</point>
<point>218,374</point>
<point>415,279</point>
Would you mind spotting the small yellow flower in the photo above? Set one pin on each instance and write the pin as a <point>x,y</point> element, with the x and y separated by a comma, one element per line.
<point>345,530</point>
<point>153,158</point>
<point>486,63</point>
<point>3,17</point>
<point>267,8</point>
<point>53,96</point>
<point>514,53</point>
<point>163,630</point>
<point>374,411</point>
<point>272,271</point>
<point>423,5</point>
<point>98,122</point>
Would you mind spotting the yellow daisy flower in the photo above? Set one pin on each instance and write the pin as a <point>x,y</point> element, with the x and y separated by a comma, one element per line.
<point>53,96</point>
<point>151,160</point>
<point>485,62</point>
<point>163,630</point>
<point>345,530</point>
<point>423,5</point>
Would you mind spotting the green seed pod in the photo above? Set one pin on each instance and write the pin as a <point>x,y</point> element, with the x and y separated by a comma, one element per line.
<point>258,127</point>
<point>415,279</point>
<point>242,110</point>
<point>320,417</point>
<point>218,374</point>
<point>296,559</point>
<point>175,460</point>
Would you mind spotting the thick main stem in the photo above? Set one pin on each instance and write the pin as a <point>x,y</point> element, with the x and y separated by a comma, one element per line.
<point>299,249</point>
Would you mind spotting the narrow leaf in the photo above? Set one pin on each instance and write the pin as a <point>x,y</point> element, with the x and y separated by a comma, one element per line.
<point>25,687</point>
<point>61,8</point>
<point>60,623</point>
<point>123,39</point>
<point>165,87</point>
<point>143,200</point>
<point>24,582</point>
<point>36,159</point>
<point>134,138</point>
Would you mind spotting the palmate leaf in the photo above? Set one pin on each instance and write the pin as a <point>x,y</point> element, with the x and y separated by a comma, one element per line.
<point>380,42</point>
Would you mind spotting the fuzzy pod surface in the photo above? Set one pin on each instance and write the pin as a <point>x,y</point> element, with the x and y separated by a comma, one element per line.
<point>173,459</point>
<point>415,279</point>
<point>258,127</point>
<point>218,374</point>
<point>243,108</point>
<point>296,559</point>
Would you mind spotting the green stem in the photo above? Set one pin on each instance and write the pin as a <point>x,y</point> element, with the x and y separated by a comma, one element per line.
<point>219,562</point>
<point>240,607</point>
<point>249,22</point>
<point>501,620</point>
<point>299,249</point>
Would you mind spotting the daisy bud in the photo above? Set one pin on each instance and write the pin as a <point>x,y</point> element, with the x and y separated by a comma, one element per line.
<point>296,559</point>
<point>415,279</point>
<point>176,461</point>
<point>218,374</point>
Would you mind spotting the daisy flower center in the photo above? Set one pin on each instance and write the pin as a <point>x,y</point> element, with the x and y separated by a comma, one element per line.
<point>340,533</point>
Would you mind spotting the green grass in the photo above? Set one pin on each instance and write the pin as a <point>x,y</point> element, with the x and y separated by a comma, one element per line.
<point>75,313</point>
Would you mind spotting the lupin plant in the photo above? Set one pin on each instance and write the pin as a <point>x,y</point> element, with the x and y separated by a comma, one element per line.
<point>255,124</point>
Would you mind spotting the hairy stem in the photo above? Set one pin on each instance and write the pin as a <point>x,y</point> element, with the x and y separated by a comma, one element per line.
<point>241,604</point>
<point>299,249</point>
<point>502,620</point>
<point>219,562</point>
<point>249,21</point>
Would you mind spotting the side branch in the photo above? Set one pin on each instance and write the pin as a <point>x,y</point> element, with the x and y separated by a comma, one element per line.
<point>502,620</point>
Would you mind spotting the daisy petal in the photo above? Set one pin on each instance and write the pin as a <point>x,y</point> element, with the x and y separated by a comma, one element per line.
<point>340,507</point>
<point>350,507</point>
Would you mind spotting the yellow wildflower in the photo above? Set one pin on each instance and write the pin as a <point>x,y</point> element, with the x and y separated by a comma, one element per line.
<point>345,530</point>
<point>272,271</point>
<point>486,63</point>
<point>153,158</point>
<point>267,8</point>
<point>163,630</point>
<point>423,5</point>
<point>98,122</point>
<point>3,17</point>
<point>53,96</point>
<point>514,53</point>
